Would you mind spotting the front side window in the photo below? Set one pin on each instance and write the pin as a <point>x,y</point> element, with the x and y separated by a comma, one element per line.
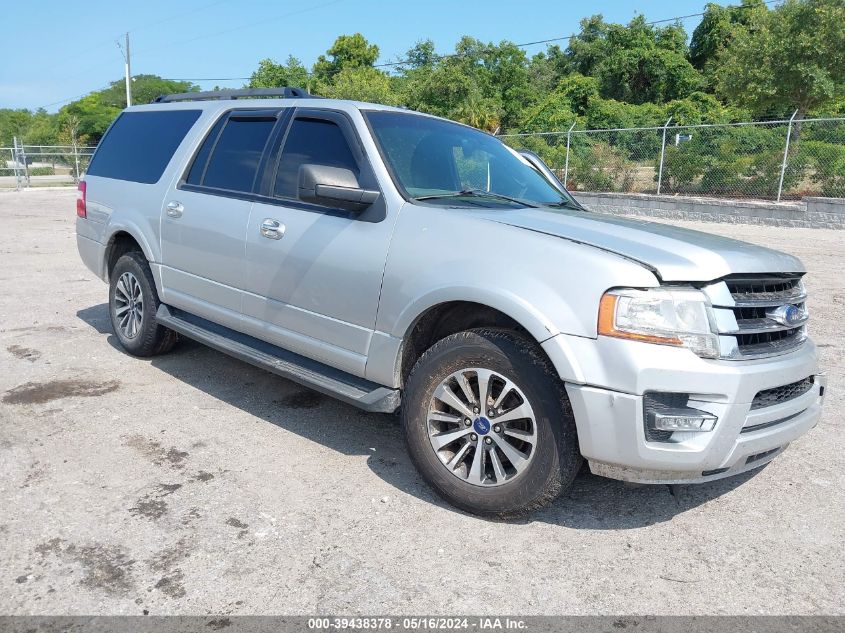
<point>311,141</point>
<point>232,162</point>
<point>447,163</point>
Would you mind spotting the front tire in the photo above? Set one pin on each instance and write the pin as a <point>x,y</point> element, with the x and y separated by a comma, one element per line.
<point>133,303</point>
<point>488,424</point>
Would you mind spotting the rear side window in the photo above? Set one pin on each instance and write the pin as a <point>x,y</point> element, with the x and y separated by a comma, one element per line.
<point>139,145</point>
<point>201,159</point>
<point>234,159</point>
<point>311,141</point>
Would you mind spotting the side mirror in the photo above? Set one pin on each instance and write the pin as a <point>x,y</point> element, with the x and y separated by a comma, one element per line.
<point>333,187</point>
<point>544,169</point>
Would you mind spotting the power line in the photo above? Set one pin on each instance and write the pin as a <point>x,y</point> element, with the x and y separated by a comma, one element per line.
<point>521,45</point>
<point>206,78</point>
<point>171,45</point>
<point>250,25</point>
<point>85,94</point>
<point>569,37</point>
<point>85,51</point>
<point>384,64</point>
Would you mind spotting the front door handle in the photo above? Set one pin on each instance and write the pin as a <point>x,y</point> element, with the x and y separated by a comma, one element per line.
<point>174,209</point>
<point>272,229</point>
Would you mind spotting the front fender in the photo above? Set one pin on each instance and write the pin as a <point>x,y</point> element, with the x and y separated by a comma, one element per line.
<point>550,286</point>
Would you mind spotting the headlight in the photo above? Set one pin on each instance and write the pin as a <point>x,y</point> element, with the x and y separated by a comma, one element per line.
<point>667,316</point>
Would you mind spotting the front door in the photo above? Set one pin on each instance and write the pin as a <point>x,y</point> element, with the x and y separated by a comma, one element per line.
<point>313,284</point>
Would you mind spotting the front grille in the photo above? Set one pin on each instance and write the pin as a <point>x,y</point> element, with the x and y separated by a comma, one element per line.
<point>760,289</point>
<point>776,341</point>
<point>750,300</point>
<point>784,393</point>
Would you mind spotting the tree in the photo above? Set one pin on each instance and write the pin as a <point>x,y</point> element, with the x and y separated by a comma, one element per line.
<point>13,123</point>
<point>95,111</point>
<point>716,30</point>
<point>586,49</point>
<point>479,112</point>
<point>636,63</point>
<point>269,74</point>
<point>348,51</point>
<point>90,117</point>
<point>479,82</point>
<point>42,129</point>
<point>421,55</point>
<point>145,88</point>
<point>787,59</point>
<point>362,84</point>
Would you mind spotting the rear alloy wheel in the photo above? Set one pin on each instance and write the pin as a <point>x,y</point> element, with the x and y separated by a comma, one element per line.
<point>129,305</point>
<point>133,303</point>
<point>488,424</point>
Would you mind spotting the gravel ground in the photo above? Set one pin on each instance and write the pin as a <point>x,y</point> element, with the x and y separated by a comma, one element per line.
<point>193,483</point>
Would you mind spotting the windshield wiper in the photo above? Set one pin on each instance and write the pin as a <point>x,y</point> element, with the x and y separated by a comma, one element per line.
<point>565,204</point>
<point>475,193</point>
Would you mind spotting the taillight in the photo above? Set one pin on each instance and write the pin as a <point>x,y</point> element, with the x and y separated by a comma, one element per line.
<point>81,208</point>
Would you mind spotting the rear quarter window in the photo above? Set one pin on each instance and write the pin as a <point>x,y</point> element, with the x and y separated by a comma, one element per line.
<point>139,145</point>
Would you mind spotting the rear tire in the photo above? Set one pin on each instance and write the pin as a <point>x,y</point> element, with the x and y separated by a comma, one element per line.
<point>490,468</point>
<point>133,303</point>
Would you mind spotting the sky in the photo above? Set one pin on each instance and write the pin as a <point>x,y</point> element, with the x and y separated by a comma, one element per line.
<point>64,50</point>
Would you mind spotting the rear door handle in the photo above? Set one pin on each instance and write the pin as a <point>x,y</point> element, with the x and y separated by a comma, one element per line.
<point>174,209</point>
<point>272,229</point>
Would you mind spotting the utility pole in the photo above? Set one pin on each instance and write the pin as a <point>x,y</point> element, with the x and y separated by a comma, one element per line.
<point>127,69</point>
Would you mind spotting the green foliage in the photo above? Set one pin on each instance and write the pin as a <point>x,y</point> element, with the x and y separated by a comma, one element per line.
<point>637,63</point>
<point>826,163</point>
<point>269,74</point>
<point>348,51</point>
<point>42,171</point>
<point>361,84</point>
<point>742,62</point>
<point>87,119</point>
<point>145,88</point>
<point>600,167</point>
<point>716,30</point>
<point>13,123</point>
<point>736,161</point>
<point>789,58</point>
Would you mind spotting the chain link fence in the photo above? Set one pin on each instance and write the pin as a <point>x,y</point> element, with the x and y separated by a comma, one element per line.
<point>771,160</point>
<point>23,166</point>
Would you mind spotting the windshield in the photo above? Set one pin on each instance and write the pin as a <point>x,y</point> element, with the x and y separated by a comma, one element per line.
<point>441,162</point>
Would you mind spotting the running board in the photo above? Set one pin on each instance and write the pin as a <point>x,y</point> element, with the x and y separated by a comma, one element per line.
<point>315,375</point>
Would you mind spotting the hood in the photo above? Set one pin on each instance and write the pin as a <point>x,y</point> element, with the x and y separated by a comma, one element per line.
<point>673,253</point>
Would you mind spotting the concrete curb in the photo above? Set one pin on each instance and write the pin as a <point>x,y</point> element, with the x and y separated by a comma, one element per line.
<point>826,213</point>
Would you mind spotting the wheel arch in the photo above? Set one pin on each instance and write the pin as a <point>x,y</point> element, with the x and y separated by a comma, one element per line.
<point>439,319</point>
<point>123,239</point>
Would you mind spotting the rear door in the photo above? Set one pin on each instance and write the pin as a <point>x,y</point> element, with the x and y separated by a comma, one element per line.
<point>205,215</point>
<point>313,286</point>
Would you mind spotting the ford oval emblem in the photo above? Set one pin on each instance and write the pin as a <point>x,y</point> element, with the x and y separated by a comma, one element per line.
<point>481,425</point>
<point>788,315</point>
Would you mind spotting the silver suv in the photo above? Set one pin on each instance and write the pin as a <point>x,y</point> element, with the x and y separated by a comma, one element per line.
<point>391,258</point>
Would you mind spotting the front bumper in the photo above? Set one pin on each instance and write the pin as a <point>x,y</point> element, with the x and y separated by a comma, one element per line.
<point>609,413</point>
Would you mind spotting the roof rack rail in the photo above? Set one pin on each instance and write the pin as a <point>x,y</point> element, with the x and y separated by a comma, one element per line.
<point>250,93</point>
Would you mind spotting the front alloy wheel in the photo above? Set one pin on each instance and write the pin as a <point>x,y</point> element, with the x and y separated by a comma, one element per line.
<point>488,423</point>
<point>482,427</point>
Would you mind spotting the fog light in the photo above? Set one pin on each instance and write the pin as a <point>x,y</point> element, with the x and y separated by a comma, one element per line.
<point>682,420</point>
<point>665,413</point>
